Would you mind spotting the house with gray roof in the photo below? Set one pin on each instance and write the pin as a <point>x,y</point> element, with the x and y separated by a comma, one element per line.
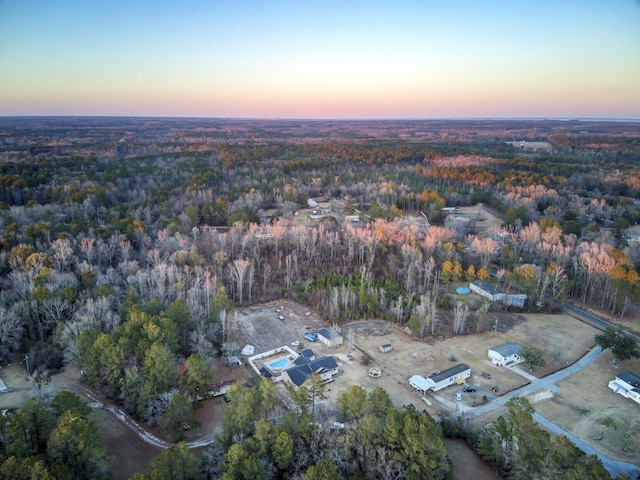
<point>627,384</point>
<point>330,338</point>
<point>495,294</point>
<point>457,375</point>
<point>506,354</point>
<point>325,366</point>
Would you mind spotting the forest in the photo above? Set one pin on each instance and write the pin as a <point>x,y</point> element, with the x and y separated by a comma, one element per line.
<point>126,245</point>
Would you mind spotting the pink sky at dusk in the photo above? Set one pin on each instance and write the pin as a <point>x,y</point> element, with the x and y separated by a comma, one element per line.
<point>301,60</point>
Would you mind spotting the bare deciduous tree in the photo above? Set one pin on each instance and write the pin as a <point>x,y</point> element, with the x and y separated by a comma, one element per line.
<point>238,270</point>
<point>460,314</point>
<point>11,330</point>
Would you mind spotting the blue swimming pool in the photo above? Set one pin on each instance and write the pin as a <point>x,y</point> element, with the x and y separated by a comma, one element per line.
<point>279,364</point>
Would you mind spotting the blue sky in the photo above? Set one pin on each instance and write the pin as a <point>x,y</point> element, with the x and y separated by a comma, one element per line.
<point>330,59</point>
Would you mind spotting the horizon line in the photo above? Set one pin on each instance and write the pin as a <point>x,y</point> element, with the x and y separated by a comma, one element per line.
<point>334,119</point>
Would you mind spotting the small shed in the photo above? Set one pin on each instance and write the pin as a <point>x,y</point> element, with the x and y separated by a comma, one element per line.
<point>387,347</point>
<point>233,361</point>
<point>330,338</point>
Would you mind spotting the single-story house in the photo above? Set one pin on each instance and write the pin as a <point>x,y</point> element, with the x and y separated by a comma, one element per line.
<point>627,384</point>
<point>496,294</point>
<point>486,290</point>
<point>505,354</point>
<point>330,338</point>
<point>325,366</point>
<point>447,377</point>
<point>387,347</point>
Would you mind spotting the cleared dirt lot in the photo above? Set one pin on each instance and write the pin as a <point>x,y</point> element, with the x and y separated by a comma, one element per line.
<point>262,329</point>
<point>582,403</point>
<point>483,216</point>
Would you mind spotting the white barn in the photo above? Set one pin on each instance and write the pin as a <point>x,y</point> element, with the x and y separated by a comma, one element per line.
<point>627,384</point>
<point>506,354</point>
<point>330,338</point>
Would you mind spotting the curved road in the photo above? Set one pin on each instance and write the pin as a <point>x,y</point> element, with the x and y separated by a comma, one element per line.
<point>615,467</point>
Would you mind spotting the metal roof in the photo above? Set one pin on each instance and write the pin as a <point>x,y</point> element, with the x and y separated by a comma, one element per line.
<point>328,333</point>
<point>507,349</point>
<point>630,378</point>
<point>449,372</point>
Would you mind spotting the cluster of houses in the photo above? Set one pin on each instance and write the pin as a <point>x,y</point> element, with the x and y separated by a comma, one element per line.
<point>503,355</point>
<point>296,367</point>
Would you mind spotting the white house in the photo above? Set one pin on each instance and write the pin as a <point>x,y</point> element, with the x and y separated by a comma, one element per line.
<point>447,377</point>
<point>506,354</point>
<point>495,294</point>
<point>439,380</point>
<point>486,290</point>
<point>330,338</point>
<point>627,384</point>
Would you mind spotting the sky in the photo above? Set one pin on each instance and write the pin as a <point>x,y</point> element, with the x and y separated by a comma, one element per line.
<point>347,59</point>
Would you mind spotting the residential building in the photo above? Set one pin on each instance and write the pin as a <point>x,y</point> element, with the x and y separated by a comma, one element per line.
<point>330,338</point>
<point>627,384</point>
<point>325,366</point>
<point>506,354</point>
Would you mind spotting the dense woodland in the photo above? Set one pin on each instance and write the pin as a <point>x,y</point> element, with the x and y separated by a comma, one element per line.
<point>109,257</point>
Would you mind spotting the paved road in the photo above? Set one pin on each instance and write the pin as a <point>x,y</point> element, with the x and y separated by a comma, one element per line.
<point>536,384</point>
<point>582,315</point>
<point>615,467</point>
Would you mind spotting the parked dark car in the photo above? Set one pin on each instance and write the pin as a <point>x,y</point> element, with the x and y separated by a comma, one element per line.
<point>469,389</point>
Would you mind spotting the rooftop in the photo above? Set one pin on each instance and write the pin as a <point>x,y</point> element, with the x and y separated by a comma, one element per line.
<point>449,372</point>
<point>328,333</point>
<point>508,349</point>
<point>630,378</point>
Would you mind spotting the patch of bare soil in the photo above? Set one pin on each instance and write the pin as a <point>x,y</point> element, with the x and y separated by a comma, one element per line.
<point>483,216</point>
<point>467,463</point>
<point>128,453</point>
<point>585,406</point>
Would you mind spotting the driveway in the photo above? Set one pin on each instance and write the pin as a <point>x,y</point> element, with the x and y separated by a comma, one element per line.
<point>615,467</point>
